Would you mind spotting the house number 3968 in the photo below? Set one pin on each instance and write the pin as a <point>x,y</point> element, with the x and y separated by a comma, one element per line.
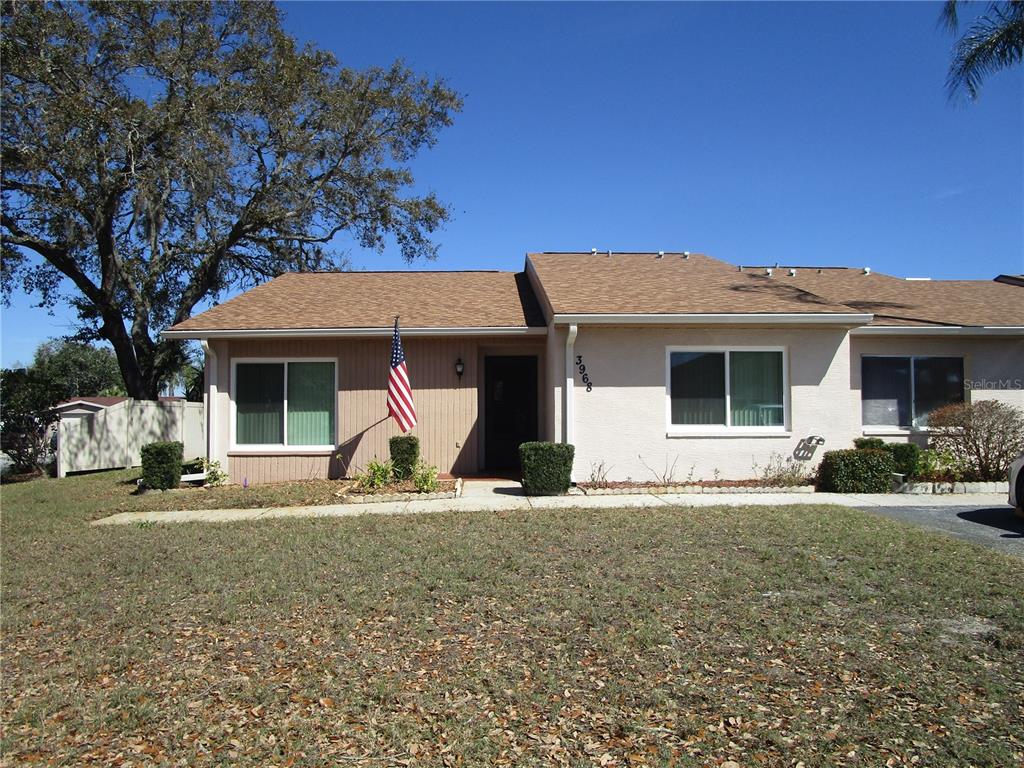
<point>583,372</point>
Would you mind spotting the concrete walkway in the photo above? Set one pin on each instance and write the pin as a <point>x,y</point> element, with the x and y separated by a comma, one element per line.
<point>498,495</point>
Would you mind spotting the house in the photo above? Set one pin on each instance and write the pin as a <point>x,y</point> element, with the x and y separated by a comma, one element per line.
<point>643,361</point>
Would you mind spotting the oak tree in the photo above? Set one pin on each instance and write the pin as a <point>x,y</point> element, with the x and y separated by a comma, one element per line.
<point>156,155</point>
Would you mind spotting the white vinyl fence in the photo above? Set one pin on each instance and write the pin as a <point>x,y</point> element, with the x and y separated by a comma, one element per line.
<point>113,437</point>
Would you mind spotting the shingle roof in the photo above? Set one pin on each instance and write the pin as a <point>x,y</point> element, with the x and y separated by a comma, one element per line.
<point>336,300</point>
<point>897,301</point>
<point>622,283</point>
<point>643,283</point>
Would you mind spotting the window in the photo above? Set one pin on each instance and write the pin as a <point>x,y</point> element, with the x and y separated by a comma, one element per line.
<point>287,403</point>
<point>736,388</point>
<point>902,391</point>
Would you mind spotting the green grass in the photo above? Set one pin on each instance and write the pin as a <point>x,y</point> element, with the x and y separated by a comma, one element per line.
<point>627,637</point>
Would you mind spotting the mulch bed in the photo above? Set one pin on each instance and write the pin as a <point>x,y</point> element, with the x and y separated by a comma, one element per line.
<point>640,485</point>
<point>402,486</point>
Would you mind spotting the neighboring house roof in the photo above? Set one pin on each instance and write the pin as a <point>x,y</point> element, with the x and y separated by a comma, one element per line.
<point>105,402</point>
<point>370,300</point>
<point>1011,279</point>
<point>102,402</point>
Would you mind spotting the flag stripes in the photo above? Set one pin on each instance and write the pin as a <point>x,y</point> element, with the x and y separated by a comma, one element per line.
<point>400,403</point>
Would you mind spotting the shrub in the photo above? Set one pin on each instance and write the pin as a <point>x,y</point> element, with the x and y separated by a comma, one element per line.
<point>782,472</point>
<point>214,474</point>
<point>547,468</point>
<point>869,443</point>
<point>905,456</point>
<point>424,477</point>
<point>161,465</point>
<point>405,452</point>
<point>984,437</point>
<point>377,475</point>
<point>856,471</point>
<point>933,466</point>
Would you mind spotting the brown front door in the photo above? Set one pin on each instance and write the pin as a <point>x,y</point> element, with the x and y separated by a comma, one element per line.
<point>510,408</point>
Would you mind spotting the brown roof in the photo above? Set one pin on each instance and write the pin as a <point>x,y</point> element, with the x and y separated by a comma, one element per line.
<point>897,301</point>
<point>328,300</point>
<point>643,283</point>
<point>622,283</point>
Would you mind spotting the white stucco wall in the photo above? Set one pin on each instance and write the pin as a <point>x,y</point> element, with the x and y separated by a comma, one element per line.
<point>993,367</point>
<point>622,421</point>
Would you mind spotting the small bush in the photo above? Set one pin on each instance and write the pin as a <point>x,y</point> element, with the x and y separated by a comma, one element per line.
<point>377,475</point>
<point>547,468</point>
<point>856,471</point>
<point>984,437</point>
<point>869,443</point>
<point>940,467</point>
<point>782,472</point>
<point>214,474</point>
<point>161,465</point>
<point>424,477</point>
<point>405,452</point>
<point>905,456</point>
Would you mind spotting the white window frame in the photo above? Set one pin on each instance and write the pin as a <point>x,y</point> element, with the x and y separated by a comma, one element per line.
<point>899,429</point>
<point>280,447</point>
<point>727,429</point>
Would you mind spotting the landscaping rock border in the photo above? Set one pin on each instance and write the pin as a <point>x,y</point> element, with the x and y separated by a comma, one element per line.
<point>380,498</point>
<point>658,490</point>
<point>924,489</point>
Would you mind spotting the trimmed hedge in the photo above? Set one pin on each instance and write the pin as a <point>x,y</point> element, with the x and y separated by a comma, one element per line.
<point>906,456</point>
<point>856,470</point>
<point>161,465</point>
<point>871,443</point>
<point>547,468</point>
<point>405,454</point>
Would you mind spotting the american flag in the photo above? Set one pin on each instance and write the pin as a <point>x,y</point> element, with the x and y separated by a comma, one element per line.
<point>400,404</point>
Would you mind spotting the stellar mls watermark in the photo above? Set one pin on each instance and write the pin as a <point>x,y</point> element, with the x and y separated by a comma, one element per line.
<point>970,384</point>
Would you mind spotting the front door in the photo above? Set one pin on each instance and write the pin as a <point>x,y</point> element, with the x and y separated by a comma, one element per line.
<point>510,408</point>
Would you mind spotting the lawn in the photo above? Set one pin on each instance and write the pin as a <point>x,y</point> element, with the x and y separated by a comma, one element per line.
<point>759,636</point>
<point>100,494</point>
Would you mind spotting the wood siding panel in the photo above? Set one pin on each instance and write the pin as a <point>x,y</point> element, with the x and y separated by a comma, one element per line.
<point>447,407</point>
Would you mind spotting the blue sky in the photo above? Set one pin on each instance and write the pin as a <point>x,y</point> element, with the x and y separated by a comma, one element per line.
<point>803,133</point>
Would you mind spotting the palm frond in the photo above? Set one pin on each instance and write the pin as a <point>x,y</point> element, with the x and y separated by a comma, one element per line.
<point>992,42</point>
<point>949,17</point>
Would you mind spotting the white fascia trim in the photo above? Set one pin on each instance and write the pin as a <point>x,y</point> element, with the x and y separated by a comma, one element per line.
<point>721,318</point>
<point>295,333</point>
<point>945,330</point>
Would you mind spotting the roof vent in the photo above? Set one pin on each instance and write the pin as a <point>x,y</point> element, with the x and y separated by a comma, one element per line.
<point>661,254</point>
<point>609,253</point>
<point>739,268</point>
<point>867,270</point>
<point>593,251</point>
<point>768,271</point>
<point>686,254</point>
<point>792,272</point>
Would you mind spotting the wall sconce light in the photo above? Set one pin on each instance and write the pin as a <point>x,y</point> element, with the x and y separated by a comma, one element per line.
<point>460,367</point>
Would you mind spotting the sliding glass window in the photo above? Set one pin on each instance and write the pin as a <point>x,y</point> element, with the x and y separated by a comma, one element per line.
<point>727,388</point>
<point>287,403</point>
